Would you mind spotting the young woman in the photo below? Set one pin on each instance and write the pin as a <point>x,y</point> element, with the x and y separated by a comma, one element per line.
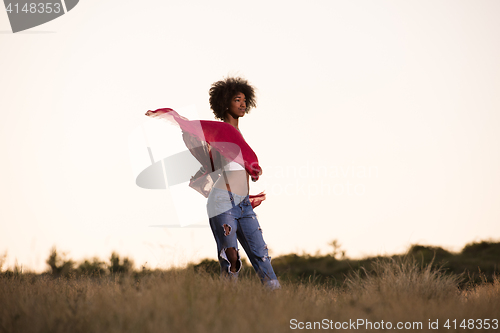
<point>227,163</point>
<point>230,211</point>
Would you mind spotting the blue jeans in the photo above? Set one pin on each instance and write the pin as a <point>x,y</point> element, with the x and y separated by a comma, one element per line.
<point>232,218</point>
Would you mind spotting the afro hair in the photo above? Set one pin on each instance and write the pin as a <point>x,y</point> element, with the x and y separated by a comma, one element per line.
<point>221,93</point>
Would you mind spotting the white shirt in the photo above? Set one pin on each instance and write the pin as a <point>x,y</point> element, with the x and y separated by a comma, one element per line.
<point>232,166</point>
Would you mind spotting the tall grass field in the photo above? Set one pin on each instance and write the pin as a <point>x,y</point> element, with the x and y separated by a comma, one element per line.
<point>393,294</point>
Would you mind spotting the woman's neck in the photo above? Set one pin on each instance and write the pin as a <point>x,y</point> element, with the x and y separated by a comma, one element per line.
<point>233,121</point>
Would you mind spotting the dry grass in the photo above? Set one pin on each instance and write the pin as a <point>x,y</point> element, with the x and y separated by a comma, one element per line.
<point>188,301</point>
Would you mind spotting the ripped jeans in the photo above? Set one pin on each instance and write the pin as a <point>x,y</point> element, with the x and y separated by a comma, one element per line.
<point>232,218</point>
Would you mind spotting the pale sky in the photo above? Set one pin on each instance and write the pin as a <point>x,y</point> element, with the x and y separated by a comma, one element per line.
<point>377,124</point>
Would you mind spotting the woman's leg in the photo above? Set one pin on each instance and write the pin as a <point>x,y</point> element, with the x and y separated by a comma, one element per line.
<point>224,228</point>
<point>250,236</point>
<point>223,222</point>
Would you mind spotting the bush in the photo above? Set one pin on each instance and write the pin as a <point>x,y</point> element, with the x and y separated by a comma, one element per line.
<point>58,265</point>
<point>120,266</point>
<point>92,268</point>
<point>483,249</point>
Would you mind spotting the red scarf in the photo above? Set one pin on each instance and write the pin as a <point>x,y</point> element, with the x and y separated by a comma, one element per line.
<point>202,135</point>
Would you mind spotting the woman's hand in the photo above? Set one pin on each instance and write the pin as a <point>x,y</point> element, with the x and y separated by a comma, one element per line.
<point>254,179</point>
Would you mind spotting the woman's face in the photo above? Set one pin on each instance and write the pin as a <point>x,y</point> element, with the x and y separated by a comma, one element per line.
<point>238,106</point>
